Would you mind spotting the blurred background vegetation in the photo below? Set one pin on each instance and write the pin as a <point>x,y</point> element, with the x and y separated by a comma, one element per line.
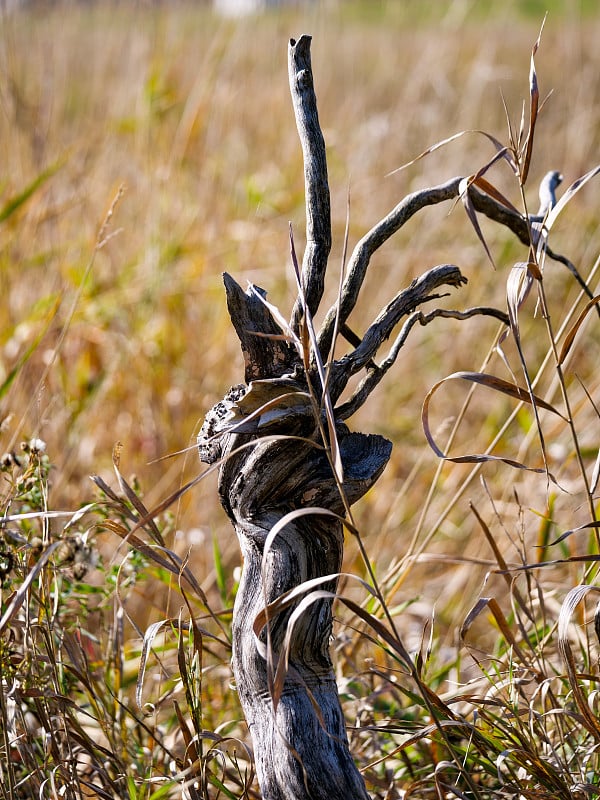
<point>148,147</point>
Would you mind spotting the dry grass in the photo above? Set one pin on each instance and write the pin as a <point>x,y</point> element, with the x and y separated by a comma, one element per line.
<point>114,330</point>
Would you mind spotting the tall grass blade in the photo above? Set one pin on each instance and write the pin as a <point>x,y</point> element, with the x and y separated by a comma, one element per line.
<point>136,502</point>
<point>287,329</point>
<point>472,215</point>
<point>504,570</point>
<point>14,203</point>
<point>20,596</point>
<point>501,148</point>
<point>29,350</point>
<point>534,101</point>
<point>574,329</point>
<point>491,604</point>
<point>487,187</point>
<point>336,458</point>
<point>518,286</point>
<point>586,527</point>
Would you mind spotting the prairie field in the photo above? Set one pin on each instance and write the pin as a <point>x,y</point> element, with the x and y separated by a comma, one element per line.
<point>148,148</point>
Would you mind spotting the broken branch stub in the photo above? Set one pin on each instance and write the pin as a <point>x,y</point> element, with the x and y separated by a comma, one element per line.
<point>283,488</point>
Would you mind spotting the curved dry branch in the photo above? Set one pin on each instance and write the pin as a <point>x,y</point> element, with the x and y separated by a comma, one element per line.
<point>372,241</point>
<point>420,291</point>
<point>318,210</point>
<point>375,372</point>
<point>392,223</point>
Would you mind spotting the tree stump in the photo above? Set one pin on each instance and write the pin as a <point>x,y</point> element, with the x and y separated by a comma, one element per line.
<point>290,469</point>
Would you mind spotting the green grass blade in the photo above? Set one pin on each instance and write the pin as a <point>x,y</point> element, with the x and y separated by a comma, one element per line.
<point>14,203</point>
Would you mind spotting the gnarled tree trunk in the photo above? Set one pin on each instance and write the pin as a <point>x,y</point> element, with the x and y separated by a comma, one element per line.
<point>300,743</point>
<point>290,470</point>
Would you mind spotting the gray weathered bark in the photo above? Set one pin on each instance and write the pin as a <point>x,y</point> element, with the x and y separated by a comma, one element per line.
<point>276,438</point>
<point>301,748</point>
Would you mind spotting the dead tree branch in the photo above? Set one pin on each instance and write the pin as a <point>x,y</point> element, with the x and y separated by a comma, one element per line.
<point>392,223</point>
<point>419,292</point>
<point>376,372</point>
<point>318,212</point>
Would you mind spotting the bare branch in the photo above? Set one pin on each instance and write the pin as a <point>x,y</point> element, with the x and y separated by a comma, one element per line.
<point>396,219</point>
<point>372,241</point>
<point>376,373</point>
<point>420,291</point>
<point>318,211</point>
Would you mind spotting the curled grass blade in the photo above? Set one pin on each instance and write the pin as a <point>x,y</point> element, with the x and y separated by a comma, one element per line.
<point>570,603</point>
<point>499,385</point>
<point>518,286</point>
<point>279,605</point>
<point>149,636</point>
<point>273,534</point>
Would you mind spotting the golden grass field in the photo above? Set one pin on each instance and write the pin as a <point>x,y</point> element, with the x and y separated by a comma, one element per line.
<point>178,125</point>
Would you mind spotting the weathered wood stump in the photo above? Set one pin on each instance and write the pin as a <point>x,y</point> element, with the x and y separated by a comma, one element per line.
<point>300,747</point>
<point>290,469</point>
